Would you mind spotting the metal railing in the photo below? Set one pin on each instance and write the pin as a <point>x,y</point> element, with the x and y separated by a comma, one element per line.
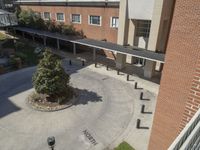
<point>189,138</point>
<point>8,20</point>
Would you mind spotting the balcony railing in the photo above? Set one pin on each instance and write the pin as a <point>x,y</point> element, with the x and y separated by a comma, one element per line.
<point>189,138</point>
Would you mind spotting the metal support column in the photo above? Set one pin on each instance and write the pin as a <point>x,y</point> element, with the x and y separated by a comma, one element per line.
<point>94,54</point>
<point>45,41</point>
<point>74,49</point>
<point>58,44</point>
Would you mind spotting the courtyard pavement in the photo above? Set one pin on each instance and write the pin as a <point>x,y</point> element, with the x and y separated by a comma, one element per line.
<point>105,115</point>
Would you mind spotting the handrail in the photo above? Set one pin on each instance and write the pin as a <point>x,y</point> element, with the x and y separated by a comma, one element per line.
<point>188,135</point>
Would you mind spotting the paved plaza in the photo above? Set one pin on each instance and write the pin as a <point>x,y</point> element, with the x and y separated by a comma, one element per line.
<point>104,116</point>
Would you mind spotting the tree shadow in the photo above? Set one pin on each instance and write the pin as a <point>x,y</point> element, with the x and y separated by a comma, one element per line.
<point>83,97</point>
<point>72,66</point>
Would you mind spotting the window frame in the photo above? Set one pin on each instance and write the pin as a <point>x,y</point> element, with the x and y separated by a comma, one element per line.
<point>49,15</point>
<point>100,20</point>
<point>72,18</point>
<point>111,22</point>
<point>143,28</point>
<point>63,17</point>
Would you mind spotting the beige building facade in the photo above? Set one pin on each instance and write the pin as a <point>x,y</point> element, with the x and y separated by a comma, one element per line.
<point>144,29</point>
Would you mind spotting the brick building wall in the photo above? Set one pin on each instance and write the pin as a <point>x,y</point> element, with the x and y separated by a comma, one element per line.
<point>180,68</point>
<point>193,101</point>
<point>91,31</point>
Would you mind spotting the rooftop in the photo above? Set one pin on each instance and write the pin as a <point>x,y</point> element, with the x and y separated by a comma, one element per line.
<point>133,51</point>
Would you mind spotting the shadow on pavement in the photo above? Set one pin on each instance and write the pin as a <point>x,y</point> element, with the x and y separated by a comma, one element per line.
<point>84,97</point>
<point>12,84</point>
<point>7,107</point>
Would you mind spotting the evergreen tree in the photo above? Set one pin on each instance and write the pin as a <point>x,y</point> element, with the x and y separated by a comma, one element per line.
<point>50,77</point>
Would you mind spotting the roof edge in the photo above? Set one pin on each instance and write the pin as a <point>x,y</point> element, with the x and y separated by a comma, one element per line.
<point>61,3</point>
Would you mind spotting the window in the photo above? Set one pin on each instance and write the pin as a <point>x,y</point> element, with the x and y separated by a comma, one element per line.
<point>47,16</point>
<point>60,17</point>
<point>76,18</point>
<point>95,20</point>
<point>143,28</point>
<point>114,22</point>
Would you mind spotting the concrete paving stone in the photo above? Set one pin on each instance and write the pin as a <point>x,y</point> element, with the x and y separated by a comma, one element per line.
<point>107,109</point>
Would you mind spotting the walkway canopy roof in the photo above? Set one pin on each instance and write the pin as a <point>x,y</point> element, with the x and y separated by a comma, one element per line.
<point>136,52</point>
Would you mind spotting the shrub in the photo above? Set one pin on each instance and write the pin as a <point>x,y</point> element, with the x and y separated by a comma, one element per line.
<point>50,78</point>
<point>22,56</point>
<point>51,26</point>
<point>35,97</point>
<point>124,146</point>
<point>29,18</point>
<point>20,45</point>
<point>68,30</point>
<point>15,62</point>
<point>9,43</point>
<point>25,18</point>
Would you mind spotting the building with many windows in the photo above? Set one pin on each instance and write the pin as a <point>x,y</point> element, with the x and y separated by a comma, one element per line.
<point>98,20</point>
<point>127,22</point>
<point>161,26</point>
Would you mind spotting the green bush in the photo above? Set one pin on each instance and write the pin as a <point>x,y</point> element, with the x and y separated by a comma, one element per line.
<point>20,45</point>
<point>124,146</point>
<point>51,26</point>
<point>15,62</point>
<point>35,97</point>
<point>29,18</point>
<point>50,78</point>
<point>22,56</point>
<point>9,43</point>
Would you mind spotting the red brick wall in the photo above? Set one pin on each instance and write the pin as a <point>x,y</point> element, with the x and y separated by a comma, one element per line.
<point>95,32</point>
<point>193,101</point>
<point>182,54</point>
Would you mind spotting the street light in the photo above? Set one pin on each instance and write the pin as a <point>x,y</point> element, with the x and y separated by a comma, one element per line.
<point>51,142</point>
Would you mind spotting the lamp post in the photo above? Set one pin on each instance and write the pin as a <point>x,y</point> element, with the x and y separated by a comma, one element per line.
<point>51,142</point>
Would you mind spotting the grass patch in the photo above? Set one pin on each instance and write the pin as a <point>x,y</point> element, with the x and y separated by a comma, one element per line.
<point>3,36</point>
<point>124,146</point>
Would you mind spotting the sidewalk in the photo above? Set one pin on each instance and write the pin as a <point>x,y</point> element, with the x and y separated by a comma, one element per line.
<point>138,138</point>
<point>135,72</point>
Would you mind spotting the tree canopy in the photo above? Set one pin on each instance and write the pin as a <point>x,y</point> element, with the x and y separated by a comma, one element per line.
<point>50,77</point>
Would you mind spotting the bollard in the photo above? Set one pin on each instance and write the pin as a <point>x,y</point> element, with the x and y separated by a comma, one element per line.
<point>138,124</point>
<point>135,85</point>
<point>127,78</point>
<point>141,96</point>
<point>117,72</point>
<point>142,109</point>
<point>107,67</point>
<point>83,63</point>
<point>70,62</point>
<point>95,64</point>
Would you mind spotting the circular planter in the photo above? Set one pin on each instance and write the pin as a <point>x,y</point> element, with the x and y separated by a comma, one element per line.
<point>50,106</point>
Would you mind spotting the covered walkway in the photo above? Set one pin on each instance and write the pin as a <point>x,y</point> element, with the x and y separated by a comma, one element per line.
<point>136,52</point>
<point>95,44</point>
